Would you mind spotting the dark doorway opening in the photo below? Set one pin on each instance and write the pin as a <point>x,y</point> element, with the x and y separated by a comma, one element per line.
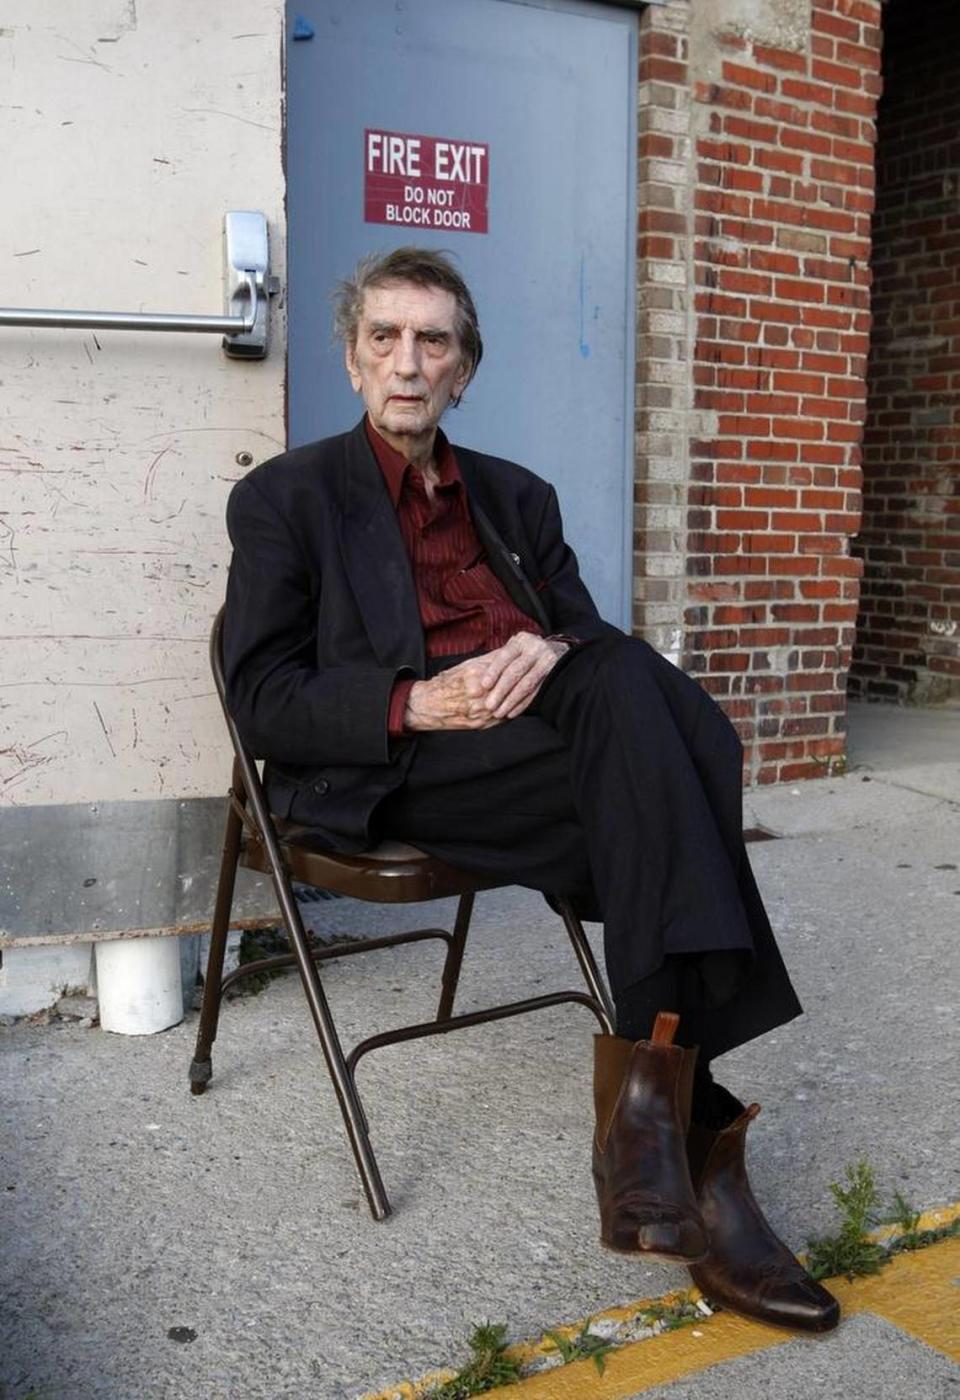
<point>908,630</point>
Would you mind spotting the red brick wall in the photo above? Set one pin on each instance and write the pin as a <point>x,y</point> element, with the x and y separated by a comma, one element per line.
<point>777,230</point>
<point>908,634</point>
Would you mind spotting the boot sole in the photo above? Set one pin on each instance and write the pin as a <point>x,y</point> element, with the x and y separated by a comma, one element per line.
<point>685,1259</point>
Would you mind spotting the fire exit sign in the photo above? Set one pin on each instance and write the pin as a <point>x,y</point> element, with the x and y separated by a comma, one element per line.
<point>431,182</point>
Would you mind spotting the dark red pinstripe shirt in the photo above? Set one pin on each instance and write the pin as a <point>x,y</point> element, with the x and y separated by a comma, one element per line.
<point>463,605</point>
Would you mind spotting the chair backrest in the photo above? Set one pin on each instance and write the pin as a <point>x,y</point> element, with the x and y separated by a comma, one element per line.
<point>244,756</point>
<point>248,789</point>
<point>216,657</point>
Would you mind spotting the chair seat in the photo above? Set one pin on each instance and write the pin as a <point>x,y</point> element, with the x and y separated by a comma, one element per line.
<point>392,872</point>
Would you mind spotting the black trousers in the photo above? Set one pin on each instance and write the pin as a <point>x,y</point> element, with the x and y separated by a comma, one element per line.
<point>620,787</point>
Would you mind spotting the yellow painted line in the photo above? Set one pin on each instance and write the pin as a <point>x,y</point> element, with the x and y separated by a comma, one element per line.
<point>916,1292</point>
<point>640,1365</point>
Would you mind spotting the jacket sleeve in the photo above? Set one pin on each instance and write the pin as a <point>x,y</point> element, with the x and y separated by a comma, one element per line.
<point>287,709</point>
<point>564,593</point>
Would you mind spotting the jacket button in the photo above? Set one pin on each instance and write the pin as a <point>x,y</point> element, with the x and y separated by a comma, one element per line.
<point>322,788</point>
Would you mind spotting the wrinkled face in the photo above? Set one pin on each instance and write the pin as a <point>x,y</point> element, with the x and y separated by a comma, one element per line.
<point>407,361</point>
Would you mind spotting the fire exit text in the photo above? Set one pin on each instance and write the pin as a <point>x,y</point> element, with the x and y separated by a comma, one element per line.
<point>430,182</point>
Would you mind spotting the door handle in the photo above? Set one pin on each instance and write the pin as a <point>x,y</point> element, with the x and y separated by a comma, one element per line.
<point>247,287</point>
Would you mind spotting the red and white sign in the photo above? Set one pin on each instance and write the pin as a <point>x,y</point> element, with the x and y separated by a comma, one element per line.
<point>425,181</point>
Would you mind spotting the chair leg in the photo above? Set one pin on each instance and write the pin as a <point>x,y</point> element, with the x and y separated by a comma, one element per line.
<point>585,958</point>
<point>454,958</point>
<point>351,1108</point>
<point>201,1067</point>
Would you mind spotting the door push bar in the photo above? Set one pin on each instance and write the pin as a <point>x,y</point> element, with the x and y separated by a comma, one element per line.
<point>247,289</point>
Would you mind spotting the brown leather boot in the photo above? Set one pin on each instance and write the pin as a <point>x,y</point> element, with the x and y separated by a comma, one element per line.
<point>748,1269</point>
<point>642,1097</point>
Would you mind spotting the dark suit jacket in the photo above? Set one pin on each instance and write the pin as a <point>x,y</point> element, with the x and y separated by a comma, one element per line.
<point>322,615</point>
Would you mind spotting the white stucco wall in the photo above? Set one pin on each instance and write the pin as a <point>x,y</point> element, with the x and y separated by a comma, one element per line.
<point>129,128</point>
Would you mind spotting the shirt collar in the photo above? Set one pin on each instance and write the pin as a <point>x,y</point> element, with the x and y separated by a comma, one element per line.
<point>395,466</point>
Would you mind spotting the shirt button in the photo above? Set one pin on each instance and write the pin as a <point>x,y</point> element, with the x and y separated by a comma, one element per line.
<point>322,788</point>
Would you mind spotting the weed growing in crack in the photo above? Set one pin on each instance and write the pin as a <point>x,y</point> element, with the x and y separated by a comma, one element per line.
<point>904,1216</point>
<point>254,945</point>
<point>849,1252</point>
<point>489,1368</point>
<point>910,1236</point>
<point>582,1345</point>
<point>671,1316</point>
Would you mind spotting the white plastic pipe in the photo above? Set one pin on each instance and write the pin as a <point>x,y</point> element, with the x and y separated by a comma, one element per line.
<point>138,985</point>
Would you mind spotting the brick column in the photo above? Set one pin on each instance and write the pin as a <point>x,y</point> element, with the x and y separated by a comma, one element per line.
<point>781,178</point>
<point>664,340</point>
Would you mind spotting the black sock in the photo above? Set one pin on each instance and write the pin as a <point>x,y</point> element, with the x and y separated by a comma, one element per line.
<point>703,1103</point>
<point>712,1106</point>
<point>637,1005</point>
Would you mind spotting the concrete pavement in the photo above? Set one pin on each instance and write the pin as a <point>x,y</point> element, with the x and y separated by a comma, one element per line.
<point>131,1208</point>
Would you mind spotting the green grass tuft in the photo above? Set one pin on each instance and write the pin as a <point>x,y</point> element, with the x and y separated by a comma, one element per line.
<point>849,1252</point>
<point>903,1215</point>
<point>489,1368</point>
<point>911,1236</point>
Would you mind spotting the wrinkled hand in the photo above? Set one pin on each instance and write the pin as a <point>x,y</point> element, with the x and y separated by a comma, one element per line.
<point>515,672</point>
<point>454,699</point>
<point>485,690</point>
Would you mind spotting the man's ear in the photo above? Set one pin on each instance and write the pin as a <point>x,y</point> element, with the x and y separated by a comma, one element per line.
<point>353,369</point>
<point>464,375</point>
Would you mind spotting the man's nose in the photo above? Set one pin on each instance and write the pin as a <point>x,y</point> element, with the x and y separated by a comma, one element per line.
<point>407,355</point>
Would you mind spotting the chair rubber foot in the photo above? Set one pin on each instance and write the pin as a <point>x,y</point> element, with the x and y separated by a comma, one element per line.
<point>201,1072</point>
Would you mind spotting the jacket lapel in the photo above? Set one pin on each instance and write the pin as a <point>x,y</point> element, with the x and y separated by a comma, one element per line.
<point>376,559</point>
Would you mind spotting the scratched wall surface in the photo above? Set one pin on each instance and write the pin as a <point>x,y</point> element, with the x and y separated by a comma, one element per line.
<point>129,128</point>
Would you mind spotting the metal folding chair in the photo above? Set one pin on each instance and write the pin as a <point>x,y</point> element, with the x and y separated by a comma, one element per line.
<point>392,873</point>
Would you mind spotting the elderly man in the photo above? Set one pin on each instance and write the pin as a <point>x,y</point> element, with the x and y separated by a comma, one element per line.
<point>410,646</point>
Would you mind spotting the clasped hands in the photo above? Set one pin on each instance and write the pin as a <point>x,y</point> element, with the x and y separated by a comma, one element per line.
<point>484,690</point>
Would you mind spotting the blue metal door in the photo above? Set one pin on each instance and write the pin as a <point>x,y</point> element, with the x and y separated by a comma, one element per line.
<point>527,109</point>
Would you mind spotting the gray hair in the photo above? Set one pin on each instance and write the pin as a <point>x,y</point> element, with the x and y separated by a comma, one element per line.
<point>424,267</point>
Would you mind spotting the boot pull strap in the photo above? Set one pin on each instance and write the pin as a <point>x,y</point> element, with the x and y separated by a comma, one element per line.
<point>664,1028</point>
